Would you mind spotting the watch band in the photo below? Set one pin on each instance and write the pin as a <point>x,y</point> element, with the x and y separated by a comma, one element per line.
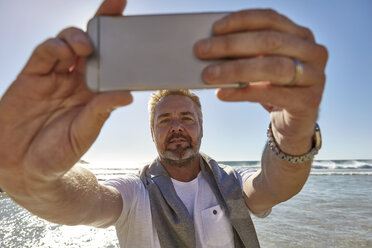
<point>274,147</point>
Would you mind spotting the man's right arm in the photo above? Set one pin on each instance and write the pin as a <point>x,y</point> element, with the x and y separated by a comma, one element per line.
<point>48,120</point>
<point>74,199</point>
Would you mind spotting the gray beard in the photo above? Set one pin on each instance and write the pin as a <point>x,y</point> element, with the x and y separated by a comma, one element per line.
<point>180,163</point>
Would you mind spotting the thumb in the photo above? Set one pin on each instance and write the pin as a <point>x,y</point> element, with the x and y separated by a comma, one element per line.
<point>111,7</point>
<point>89,122</point>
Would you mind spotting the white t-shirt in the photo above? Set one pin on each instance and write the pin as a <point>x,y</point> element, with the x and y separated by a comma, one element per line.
<point>135,227</point>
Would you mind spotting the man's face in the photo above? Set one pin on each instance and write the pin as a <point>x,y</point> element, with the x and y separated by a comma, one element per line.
<point>177,130</point>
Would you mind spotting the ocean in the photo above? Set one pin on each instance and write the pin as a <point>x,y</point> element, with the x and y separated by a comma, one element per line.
<point>334,209</point>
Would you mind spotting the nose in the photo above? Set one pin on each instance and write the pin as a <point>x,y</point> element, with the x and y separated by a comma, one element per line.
<point>176,127</point>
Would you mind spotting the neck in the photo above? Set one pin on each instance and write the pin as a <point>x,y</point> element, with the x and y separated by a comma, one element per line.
<point>185,173</point>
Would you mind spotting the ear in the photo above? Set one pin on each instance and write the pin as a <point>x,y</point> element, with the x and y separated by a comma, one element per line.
<point>201,128</point>
<point>152,134</point>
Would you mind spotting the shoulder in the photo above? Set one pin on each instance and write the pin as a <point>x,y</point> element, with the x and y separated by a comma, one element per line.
<point>128,185</point>
<point>123,180</point>
<point>135,204</point>
<point>132,191</point>
<point>242,173</point>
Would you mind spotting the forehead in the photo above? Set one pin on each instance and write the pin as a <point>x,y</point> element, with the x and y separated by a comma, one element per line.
<point>175,104</point>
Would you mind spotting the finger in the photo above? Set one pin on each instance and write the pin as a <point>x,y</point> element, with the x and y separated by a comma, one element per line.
<point>80,44</point>
<point>260,43</point>
<point>111,7</point>
<point>294,99</point>
<point>268,108</point>
<point>277,70</point>
<point>259,19</point>
<point>78,40</point>
<point>58,53</point>
<point>45,57</point>
<point>88,124</point>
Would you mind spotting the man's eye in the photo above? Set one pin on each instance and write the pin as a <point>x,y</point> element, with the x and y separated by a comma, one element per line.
<point>164,121</point>
<point>187,119</point>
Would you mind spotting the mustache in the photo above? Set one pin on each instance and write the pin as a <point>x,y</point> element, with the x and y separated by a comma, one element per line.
<point>177,136</point>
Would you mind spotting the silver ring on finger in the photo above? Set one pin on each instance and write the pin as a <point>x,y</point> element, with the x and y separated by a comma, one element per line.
<point>298,73</point>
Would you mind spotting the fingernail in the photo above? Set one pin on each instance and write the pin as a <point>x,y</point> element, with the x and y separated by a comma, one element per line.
<point>203,46</point>
<point>224,93</point>
<point>60,42</point>
<point>80,38</point>
<point>220,24</point>
<point>213,71</point>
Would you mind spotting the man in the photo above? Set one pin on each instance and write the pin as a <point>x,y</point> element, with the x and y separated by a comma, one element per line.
<point>48,120</point>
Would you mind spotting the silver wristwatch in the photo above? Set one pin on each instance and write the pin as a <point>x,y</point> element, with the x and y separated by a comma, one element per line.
<point>317,144</point>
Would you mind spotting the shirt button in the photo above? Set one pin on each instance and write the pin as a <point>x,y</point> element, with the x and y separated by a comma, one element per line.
<point>215,212</point>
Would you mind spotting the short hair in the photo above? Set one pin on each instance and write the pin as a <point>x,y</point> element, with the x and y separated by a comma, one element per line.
<point>160,94</point>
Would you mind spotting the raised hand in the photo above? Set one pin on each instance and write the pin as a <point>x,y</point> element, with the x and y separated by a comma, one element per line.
<point>48,118</point>
<point>264,47</point>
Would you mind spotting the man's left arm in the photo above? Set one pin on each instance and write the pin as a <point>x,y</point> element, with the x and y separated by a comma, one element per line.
<point>277,181</point>
<point>283,67</point>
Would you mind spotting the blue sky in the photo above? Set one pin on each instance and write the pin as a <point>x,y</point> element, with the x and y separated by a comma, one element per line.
<point>232,131</point>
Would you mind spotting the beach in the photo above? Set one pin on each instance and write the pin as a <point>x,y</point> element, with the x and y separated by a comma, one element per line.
<point>334,209</point>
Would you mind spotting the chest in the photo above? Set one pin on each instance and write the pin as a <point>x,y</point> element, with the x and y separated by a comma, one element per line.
<point>212,227</point>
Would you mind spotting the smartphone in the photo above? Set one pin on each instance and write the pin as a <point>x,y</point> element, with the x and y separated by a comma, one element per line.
<point>148,52</point>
